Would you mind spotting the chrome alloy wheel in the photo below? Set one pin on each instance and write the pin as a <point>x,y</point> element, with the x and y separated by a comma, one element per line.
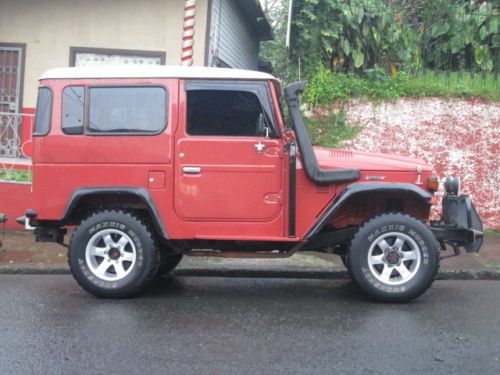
<point>394,258</point>
<point>110,255</point>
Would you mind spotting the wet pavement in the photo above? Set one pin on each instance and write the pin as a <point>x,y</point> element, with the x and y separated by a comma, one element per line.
<point>199,325</point>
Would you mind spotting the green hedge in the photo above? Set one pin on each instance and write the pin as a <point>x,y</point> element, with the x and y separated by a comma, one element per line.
<point>325,86</point>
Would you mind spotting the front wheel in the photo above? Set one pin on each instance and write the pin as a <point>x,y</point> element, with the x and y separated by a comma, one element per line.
<point>113,254</point>
<point>347,264</point>
<point>394,258</point>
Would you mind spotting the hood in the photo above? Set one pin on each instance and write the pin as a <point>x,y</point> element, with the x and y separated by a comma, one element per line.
<point>365,161</point>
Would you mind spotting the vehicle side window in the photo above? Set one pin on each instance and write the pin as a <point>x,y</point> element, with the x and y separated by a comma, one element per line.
<point>125,110</point>
<point>43,111</point>
<point>73,109</point>
<point>224,113</point>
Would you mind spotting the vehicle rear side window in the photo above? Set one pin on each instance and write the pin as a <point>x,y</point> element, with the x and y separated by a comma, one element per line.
<point>43,111</point>
<point>122,110</point>
<point>223,113</point>
<point>73,109</point>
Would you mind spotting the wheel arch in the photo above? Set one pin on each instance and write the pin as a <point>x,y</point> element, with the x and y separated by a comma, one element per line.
<point>357,190</point>
<point>86,199</point>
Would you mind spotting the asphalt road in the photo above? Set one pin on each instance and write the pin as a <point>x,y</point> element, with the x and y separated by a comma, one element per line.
<point>194,325</point>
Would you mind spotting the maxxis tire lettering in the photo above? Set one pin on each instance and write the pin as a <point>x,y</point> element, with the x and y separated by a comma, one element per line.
<point>146,263</point>
<point>371,231</point>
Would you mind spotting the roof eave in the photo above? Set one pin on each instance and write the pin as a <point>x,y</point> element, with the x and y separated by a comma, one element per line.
<point>254,13</point>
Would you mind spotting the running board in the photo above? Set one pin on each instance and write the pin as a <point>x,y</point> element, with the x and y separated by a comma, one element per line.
<point>239,254</point>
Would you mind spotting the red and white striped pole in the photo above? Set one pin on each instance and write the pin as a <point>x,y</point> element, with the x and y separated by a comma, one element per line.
<point>188,32</point>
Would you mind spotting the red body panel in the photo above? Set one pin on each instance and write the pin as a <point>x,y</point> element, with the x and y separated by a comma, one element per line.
<point>239,194</point>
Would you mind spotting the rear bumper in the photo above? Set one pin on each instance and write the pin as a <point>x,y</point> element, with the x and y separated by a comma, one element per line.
<point>48,231</point>
<point>460,224</point>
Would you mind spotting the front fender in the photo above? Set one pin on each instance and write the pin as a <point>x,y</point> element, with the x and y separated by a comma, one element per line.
<point>364,187</point>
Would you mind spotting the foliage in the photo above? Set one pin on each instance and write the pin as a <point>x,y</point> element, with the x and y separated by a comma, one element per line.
<point>326,87</point>
<point>384,49</point>
<point>275,50</point>
<point>410,35</point>
<point>15,175</point>
<point>488,232</point>
<point>331,130</point>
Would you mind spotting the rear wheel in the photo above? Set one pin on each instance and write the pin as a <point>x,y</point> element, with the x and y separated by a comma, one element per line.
<point>113,254</point>
<point>394,258</point>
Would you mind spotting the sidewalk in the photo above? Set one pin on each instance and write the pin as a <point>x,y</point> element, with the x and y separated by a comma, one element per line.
<point>20,254</point>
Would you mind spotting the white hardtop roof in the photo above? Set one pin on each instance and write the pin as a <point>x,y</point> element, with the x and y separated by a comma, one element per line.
<point>153,71</point>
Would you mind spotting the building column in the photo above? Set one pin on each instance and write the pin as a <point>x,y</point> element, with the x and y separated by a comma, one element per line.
<point>188,32</point>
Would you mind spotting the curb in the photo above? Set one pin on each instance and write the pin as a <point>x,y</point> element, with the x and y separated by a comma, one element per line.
<point>303,273</point>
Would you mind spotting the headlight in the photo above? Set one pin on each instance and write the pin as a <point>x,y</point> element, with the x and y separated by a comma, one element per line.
<point>452,185</point>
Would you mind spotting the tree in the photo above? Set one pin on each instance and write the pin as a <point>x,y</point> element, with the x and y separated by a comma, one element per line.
<point>275,50</point>
<point>357,36</point>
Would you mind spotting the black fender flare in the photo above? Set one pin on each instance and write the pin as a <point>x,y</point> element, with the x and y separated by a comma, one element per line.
<point>364,187</point>
<point>138,192</point>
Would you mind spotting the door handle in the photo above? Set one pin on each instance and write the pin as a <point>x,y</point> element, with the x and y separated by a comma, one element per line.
<point>191,170</point>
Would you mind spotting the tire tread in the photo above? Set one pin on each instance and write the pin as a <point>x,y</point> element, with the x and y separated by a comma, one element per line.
<point>155,256</point>
<point>357,237</point>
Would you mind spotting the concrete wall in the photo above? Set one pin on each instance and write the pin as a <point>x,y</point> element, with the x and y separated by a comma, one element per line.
<point>50,27</point>
<point>14,200</point>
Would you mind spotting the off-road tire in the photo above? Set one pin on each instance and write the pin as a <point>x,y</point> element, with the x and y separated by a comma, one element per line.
<point>347,264</point>
<point>416,233</point>
<point>147,258</point>
<point>167,263</point>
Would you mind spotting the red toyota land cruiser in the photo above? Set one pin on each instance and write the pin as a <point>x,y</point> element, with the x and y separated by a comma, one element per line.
<point>149,164</point>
